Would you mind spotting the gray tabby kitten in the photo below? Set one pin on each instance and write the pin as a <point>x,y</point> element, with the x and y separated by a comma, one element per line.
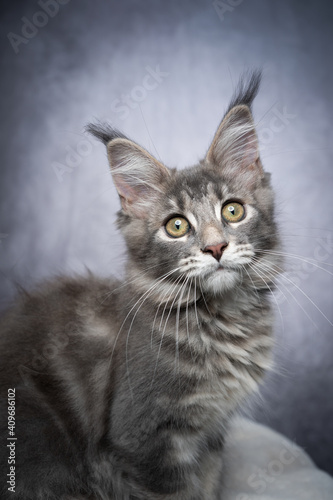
<point>124,390</point>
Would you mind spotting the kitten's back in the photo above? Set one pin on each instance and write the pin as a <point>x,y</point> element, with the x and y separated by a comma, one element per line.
<point>55,349</point>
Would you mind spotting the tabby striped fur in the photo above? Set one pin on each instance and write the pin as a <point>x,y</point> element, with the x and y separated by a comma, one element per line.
<point>124,390</point>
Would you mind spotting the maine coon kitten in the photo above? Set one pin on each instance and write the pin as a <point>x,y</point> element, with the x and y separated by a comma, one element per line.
<point>123,390</point>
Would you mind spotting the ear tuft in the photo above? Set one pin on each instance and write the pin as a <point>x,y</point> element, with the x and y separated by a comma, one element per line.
<point>247,90</point>
<point>235,148</point>
<point>104,132</point>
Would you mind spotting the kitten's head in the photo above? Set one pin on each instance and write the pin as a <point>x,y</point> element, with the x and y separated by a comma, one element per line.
<point>213,222</point>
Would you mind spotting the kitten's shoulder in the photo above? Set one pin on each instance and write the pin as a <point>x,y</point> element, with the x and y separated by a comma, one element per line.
<point>65,290</point>
<point>57,303</point>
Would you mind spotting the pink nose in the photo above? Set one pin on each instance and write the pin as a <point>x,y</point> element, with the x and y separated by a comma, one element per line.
<point>216,250</point>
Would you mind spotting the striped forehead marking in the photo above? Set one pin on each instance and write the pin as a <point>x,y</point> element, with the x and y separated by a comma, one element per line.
<point>205,208</point>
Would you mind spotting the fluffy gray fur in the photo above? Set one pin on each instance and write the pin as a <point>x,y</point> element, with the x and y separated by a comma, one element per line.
<point>124,390</point>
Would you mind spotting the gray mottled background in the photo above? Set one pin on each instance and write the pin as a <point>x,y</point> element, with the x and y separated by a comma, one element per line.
<point>88,60</point>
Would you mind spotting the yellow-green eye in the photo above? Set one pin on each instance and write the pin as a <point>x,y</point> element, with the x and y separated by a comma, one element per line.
<point>233,212</point>
<point>177,227</point>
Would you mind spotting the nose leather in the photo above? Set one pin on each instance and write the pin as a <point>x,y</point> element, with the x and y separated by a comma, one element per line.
<point>216,250</point>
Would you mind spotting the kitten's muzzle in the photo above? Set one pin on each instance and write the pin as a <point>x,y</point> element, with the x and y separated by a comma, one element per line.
<point>216,250</point>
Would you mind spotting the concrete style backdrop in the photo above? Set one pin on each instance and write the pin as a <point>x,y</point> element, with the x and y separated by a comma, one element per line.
<point>163,72</point>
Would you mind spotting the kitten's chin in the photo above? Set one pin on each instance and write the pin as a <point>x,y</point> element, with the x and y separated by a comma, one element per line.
<point>221,280</point>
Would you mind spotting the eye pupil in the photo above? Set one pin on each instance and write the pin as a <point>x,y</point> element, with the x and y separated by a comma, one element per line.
<point>233,212</point>
<point>177,227</point>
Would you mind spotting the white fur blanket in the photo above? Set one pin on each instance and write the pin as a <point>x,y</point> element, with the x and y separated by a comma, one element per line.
<point>264,465</point>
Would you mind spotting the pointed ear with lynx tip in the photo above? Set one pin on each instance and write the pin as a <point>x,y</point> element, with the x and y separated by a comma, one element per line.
<point>235,148</point>
<point>139,178</point>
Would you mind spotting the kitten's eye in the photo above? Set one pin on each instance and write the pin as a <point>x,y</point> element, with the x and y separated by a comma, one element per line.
<point>177,227</point>
<point>233,212</point>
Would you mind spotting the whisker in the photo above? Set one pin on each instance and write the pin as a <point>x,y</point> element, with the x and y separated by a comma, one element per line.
<point>309,299</point>
<point>151,140</point>
<point>254,287</point>
<point>272,272</point>
<point>145,296</point>
<point>270,289</point>
<point>187,320</point>
<point>127,282</point>
<point>298,257</point>
<point>305,295</point>
<point>165,325</point>
<point>306,235</point>
<point>195,302</point>
<point>177,321</point>
<point>171,287</point>
<point>203,297</point>
<point>146,293</point>
<point>170,295</point>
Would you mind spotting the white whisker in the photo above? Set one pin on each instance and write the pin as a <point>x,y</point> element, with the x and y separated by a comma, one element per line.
<point>165,325</point>
<point>252,266</point>
<point>280,277</point>
<point>303,259</point>
<point>143,297</point>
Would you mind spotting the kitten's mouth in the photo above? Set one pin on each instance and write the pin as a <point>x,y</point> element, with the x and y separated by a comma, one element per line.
<point>226,269</point>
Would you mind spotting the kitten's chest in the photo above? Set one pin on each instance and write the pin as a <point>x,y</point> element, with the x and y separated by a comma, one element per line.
<point>223,361</point>
<point>197,361</point>
<point>183,376</point>
<point>223,355</point>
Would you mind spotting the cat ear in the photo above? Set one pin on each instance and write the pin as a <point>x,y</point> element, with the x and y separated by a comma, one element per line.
<point>138,176</point>
<point>235,147</point>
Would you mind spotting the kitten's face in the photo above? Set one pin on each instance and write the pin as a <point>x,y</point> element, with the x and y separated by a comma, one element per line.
<point>204,227</point>
<point>225,227</point>
<point>211,225</point>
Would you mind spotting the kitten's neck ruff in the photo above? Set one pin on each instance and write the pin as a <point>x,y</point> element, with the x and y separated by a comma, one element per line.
<point>224,333</point>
